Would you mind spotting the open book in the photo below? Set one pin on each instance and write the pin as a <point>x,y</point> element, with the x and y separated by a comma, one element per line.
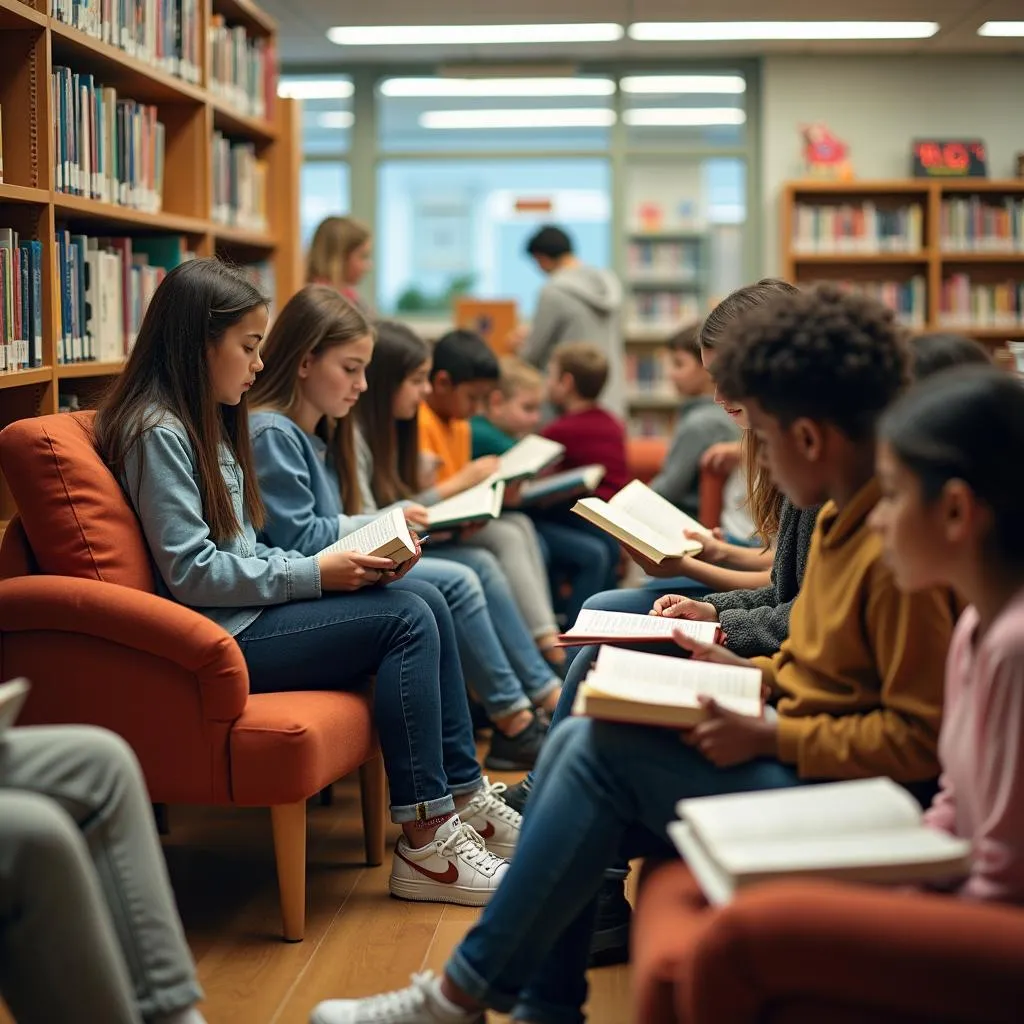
<point>570,483</point>
<point>386,537</point>
<point>12,696</point>
<point>593,626</point>
<point>476,505</point>
<point>657,689</point>
<point>867,830</point>
<point>528,457</point>
<point>644,520</point>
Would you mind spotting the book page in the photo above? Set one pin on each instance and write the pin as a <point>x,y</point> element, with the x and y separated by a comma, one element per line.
<point>629,524</point>
<point>649,507</point>
<point>832,808</point>
<point>593,622</point>
<point>478,502</point>
<point>663,679</point>
<point>381,533</point>
<point>715,883</point>
<point>528,457</point>
<point>587,477</point>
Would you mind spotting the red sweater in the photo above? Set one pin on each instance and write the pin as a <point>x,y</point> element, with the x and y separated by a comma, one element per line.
<point>593,436</point>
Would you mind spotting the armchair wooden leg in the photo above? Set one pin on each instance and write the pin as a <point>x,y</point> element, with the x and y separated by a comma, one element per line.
<point>289,822</point>
<point>374,790</point>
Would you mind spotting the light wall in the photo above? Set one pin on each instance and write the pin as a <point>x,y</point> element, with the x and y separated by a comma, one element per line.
<point>878,105</point>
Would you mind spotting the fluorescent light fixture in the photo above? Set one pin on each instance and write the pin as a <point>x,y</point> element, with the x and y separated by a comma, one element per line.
<point>677,84</point>
<point>472,35</point>
<point>335,120</point>
<point>453,120</point>
<point>682,117</point>
<point>1002,28</point>
<point>464,87</point>
<point>709,31</point>
<point>315,88</point>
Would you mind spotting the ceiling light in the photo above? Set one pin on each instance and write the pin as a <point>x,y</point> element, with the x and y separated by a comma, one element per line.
<point>335,120</point>
<point>1002,28</point>
<point>431,87</point>
<point>706,31</point>
<point>682,117</point>
<point>449,120</point>
<point>673,84</point>
<point>315,88</point>
<point>475,35</point>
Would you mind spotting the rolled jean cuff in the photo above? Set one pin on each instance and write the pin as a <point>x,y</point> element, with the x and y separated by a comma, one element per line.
<point>541,695</point>
<point>468,981</point>
<point>462,788</point>
<point>504,709</point>
<point>402,814</point>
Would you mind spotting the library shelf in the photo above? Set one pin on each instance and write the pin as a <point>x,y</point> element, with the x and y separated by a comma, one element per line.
<point>17,15</point>
<point>83,208</point>
<point>921,256</point>
<point>243,12</point>
<point>23,378</point>
<point>233,122</point>
<point>952,256</point>
<point>89,368</point>
<point>224,233</point>
<point>22,194</point>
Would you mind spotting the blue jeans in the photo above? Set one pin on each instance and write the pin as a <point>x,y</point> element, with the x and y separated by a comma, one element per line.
<point>603,791</point>
<point>492,677</point>
<point>520,648</point>
<point>403,632</point>
<point>587,561</point>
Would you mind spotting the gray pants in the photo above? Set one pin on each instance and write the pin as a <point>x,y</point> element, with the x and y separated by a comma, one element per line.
<point>88,927</point>
<point>513,541</point>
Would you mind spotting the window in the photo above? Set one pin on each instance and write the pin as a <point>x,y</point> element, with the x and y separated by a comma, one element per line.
<point>451,227</point>
<point>683,109</point>
<point>325,191</point>
<point>326,111</point>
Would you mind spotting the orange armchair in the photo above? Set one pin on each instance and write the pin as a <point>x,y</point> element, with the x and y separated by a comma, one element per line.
<point>78,617</point>
<point>804,952</point>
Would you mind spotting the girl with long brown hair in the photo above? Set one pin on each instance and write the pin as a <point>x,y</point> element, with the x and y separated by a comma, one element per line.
<point>317,354</point>
<point>340,255</point>
<point>175,432</point>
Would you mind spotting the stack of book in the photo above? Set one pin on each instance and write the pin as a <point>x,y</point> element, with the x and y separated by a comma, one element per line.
<point>164,33</point>
<point>106,148</point>
<point>239,185</point>
<point>21,302</point>
<point>973,224</point>
<point>242,70</point>
<point>860,228</point>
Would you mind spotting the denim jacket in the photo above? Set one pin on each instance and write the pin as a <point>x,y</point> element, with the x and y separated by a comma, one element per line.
<point>300,488</point>
<point>229,581</point>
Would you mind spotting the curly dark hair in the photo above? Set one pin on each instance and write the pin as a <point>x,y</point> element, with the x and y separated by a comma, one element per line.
<point>834,356</point>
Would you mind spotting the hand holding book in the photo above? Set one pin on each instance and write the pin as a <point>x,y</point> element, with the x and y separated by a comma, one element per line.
<point>675,606</point>
<point>727,738</point>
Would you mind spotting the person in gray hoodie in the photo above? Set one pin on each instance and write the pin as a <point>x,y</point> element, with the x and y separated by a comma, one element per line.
<point>578,303</point>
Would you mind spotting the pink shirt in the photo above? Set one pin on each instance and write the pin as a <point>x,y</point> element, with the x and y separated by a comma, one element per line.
<point>981,749</point>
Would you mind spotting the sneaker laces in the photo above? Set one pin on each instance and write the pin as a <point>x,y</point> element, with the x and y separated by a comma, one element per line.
<point>406,1001</point>
<point>468,844</point>
<point>487,800</point>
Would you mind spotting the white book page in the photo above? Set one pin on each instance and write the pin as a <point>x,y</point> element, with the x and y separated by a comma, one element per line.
<point>649,507</point>
<point>715,883</point>
<point>483,500</point>
<point>832,808</point>
<point>663,679</point>
<point>528,457</point>
<point>375,535</point>
<point>665,543</point>
<point>594,622</point>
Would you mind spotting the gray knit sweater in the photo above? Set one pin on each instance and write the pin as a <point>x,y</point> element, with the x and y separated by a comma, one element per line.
<point>757,621</point>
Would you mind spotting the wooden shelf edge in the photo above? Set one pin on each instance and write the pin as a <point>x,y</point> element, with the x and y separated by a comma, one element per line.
<point>69,371</point>
<point>246,13</point>
<point>982,257</point>
<point>866,257</point>
<point>93,209</point>
<point>239,236</point>
<point>23,194</point>
<point>24,378</point>
<point>227,119</point>
<point>18,11</point>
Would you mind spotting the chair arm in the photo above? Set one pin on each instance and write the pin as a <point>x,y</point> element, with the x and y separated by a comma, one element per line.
<point>49,607</point>
<point>887,955</point>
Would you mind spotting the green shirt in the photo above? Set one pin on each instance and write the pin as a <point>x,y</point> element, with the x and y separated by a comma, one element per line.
<point>488,439</point>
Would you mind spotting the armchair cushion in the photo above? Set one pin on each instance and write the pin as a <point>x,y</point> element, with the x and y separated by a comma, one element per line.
<point>73,510</point>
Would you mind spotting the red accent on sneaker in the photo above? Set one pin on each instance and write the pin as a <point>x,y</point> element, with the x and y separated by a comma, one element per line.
<point>487,831</point>
<point>449,877</point>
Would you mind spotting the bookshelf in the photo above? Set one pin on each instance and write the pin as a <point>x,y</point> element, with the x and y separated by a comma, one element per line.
<point>947,255</point>
<point>191,106</point>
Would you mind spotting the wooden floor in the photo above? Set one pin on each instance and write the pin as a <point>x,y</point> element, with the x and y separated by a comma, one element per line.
<point>358,940</point>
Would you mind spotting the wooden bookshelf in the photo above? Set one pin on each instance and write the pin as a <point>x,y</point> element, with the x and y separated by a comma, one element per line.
<point>32,42</point>
<point>932,261</point>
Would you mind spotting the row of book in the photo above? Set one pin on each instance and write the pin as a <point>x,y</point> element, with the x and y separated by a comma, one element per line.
<point>163,33</point>
<point>239,184</point>
<point>676,261</point>
<point>645,374</point>
<point>21,302</point>
<point>243,70</point>
<point>860,228</point>
<point>651,423</point>
<point>974,224</point>
<point>908,299</point>
<point>662,309</point>
<point>964,303</point>
<point>105,148</point>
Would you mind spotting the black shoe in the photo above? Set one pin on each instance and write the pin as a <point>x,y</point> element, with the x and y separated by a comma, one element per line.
<point>517,795</point>
<point>515,753</point>
<point>481,723</point>
<point>610,942</point>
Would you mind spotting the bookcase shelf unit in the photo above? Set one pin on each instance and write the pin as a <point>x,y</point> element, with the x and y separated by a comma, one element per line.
<point>971,235</point>
<point>32,43</point>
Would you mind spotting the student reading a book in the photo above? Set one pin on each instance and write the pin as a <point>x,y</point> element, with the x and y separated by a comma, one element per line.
<point>462,373</point>
<point>340,255</point>
<point>89,927</point>
<point>858,683</point>
<point>174,431</point>
<point>303,441</point>
<point>584,557</point>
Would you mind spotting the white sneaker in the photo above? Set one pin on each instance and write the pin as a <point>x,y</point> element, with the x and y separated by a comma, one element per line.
<point>420,1003</point>
<point>496,822</point>
<point>455,867</point>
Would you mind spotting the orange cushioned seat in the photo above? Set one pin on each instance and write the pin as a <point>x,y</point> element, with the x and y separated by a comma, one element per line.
<point>78,616</point>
